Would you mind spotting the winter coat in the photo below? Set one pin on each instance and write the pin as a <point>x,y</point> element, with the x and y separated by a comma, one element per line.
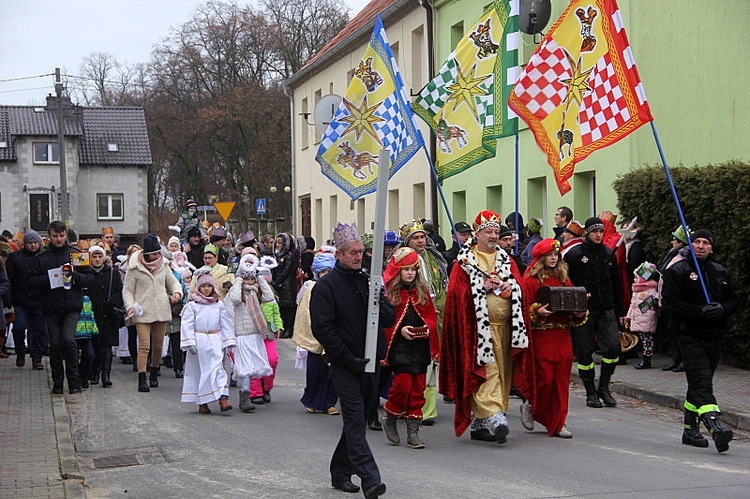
<point>243,322</point>
<point>57,301</point>
<point>594,267</point>
<point>98,292</point>
<point>18,266</point>
<point>682,298</point>
<point>285,275</point>
<point>151,292</point>
<point>644,321</point>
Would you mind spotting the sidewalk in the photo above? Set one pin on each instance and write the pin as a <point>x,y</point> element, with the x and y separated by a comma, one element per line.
<point>37,457</point>
<point>667,388</point>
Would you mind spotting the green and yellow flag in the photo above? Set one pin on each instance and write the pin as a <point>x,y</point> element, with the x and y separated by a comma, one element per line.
<point>466,103</point>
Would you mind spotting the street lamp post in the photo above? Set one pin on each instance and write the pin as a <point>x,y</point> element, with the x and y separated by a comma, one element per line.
<point>276,219</point>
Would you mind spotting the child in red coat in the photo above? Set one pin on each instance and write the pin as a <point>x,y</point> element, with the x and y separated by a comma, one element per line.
<point>412,344</point>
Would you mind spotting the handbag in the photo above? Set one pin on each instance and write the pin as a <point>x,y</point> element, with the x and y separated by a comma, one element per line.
<point>113,310</point>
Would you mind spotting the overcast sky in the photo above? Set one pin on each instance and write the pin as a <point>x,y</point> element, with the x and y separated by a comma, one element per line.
<point>40,35</point>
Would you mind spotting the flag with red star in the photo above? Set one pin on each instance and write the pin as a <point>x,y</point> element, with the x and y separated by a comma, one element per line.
<point>375,114</point>
<point>580,91</point>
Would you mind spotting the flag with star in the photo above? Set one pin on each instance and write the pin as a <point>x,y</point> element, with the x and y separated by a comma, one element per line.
<point>466,103</point>
<point>580,91</point>
<point>374,114</point>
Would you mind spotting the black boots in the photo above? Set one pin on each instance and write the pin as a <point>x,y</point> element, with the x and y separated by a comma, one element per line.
<point>691,434</point>
<point>645,363</point>
<point>587,376</point>
<point>608,369</point>
<point>153,377</point>
<point>720,433</point>
<point>142,383</point>
<point>106,367</point>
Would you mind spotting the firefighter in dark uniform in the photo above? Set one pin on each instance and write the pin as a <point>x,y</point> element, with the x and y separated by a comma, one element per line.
<point>592,265</point>
<point>699,327</point>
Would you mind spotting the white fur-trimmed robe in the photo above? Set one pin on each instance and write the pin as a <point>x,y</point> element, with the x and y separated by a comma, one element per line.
<point>519,339</point>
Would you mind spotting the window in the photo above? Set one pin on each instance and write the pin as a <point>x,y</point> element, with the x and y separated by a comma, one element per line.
<point>109,207</point>
<point>47,153</point>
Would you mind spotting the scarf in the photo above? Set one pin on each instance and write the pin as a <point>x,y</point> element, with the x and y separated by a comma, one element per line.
<point>469,264</point>
<point>199,297</point>
<point>250,292</point>
<point>152,267</point>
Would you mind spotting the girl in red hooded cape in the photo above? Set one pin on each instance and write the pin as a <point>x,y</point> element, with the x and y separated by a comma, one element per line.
<point>552,349</point>
<point>412,345</point>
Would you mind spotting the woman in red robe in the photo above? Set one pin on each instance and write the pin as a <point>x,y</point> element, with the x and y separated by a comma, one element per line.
<point>550,333</point>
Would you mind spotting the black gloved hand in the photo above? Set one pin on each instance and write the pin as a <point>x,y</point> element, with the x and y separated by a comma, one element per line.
<point>357,365</point>
<point>713,311</point>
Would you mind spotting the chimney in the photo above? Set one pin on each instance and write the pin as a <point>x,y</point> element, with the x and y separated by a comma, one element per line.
<point>67,104</point>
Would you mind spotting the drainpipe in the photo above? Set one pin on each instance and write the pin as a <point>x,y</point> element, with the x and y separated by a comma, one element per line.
<point>431,71</point>
<point>292,159</point>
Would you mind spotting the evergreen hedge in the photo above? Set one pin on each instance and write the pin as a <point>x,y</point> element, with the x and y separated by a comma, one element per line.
<point>714,197</point>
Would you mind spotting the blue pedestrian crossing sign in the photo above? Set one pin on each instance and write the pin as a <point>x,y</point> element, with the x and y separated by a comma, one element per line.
<point>260,206</point>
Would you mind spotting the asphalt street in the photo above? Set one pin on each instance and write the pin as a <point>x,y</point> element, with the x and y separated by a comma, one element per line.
<point>169,450</point>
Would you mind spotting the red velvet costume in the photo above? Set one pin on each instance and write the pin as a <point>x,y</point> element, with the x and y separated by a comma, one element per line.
<point>553,355</point>
<point>406,396</point>
<point>460,374</point>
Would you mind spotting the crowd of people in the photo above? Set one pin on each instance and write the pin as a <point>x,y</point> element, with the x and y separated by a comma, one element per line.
<point>501,311</point>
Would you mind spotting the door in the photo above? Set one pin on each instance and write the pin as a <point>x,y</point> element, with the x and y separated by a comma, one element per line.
<point>39,212</point>
<point>304,206</point>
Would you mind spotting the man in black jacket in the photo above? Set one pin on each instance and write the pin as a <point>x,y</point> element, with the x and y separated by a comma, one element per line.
<point>592,265</point>
<point>699,327</point>
<point>339,311</point>
<point>60,306</point>
<point>28,312</point>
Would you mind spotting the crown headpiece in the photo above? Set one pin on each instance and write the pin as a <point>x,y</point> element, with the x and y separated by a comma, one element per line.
<point>408,229</point>
<point>486,218</point>
<point>345,233</point>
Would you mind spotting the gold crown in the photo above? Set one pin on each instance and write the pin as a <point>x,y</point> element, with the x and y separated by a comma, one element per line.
<point>344,233</point>
<point>410,228</point>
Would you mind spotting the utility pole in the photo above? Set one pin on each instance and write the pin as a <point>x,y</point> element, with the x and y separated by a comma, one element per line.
<point>61,139</point>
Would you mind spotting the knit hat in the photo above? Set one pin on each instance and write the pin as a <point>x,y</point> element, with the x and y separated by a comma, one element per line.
<point>404,257</point>
<point>574,227</point>
<point>185,272</point>
<point>97,249</point>
<point>703,234</point>
<point>545,246</point>
<point>679,234</point>
<point>174,239</point>
<point>248,266</point>
<point>211,248</point>
<point>190,203</point>
<point>535,225</point>
<point>592,224</point>
<point>265,274</point>
<point>151,244</point>
<point>206,278</point>
<point>322,261</point>
<point>505,232</point>
<point>486,218</point>
<point>193,232</point>
<point>249,250</point>
<point>31,235</point>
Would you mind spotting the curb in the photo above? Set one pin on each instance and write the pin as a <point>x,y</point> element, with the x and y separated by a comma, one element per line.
<point>730,417</point>
<point>70,470</point>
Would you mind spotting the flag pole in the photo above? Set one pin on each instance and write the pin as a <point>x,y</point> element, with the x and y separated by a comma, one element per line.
<point>442,194</point>
<point>517,181</point>
<point>680,213</point>
<point>376,268</point>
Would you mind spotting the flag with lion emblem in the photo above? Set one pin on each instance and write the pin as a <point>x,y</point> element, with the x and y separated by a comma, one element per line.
<point>466,103</point>
<point>375,114</point>
<point>581,91</point>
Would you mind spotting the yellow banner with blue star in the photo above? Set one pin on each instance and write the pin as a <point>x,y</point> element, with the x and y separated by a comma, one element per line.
<point>374,114</point>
